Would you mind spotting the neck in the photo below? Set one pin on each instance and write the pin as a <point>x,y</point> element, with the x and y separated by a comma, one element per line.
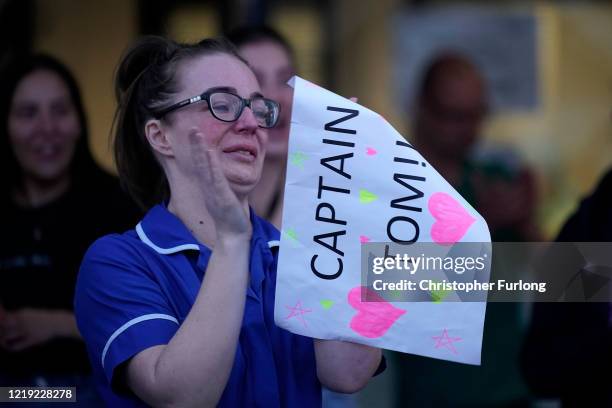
<point>36,193</point>
<point>188,204</point>
<point>272,179</point>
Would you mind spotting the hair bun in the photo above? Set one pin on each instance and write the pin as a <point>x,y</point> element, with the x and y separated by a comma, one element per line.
<point>135,61</point>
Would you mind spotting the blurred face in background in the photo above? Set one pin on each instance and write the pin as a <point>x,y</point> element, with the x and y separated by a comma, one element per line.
<point>43,126</point>
<point>452,114</point>
<point>273,68</point>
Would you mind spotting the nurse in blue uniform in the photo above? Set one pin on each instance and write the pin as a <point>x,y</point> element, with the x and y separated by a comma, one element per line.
<point>179,311</point>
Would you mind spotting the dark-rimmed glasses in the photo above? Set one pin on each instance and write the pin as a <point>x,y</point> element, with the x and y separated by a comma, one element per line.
<point>226,106</point>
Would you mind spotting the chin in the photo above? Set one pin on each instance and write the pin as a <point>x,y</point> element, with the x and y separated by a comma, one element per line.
<point>48,174</point>
<point>242,190</point>
<point>243,183</point>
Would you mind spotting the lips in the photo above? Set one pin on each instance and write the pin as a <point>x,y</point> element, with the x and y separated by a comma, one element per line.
<point>246,151</point>
<point>47,151</point>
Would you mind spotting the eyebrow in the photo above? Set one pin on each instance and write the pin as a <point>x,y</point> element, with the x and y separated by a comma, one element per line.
<point>221,89</point>
<point>232,90</point>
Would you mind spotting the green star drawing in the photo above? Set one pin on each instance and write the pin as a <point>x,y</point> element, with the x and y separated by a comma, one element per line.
<point>290,232</point>
<point>438,295</point>
<point>326,304</point>
<point>366,196</point>
<point>297,159</point>
<point>397,294</point>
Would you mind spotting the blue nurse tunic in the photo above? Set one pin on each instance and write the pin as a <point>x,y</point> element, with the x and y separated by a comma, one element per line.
<point>134,291</point>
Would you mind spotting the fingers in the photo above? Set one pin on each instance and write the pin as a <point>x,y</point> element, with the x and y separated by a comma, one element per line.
<point>11,339</point>
<point>208,165</point>
<point>9,323</point>
<point>198,154</point>
<point>11,332</point>
<point>221,201</point>
<point>17,344</point>
<point>206,160</point>
<point>217,178</point>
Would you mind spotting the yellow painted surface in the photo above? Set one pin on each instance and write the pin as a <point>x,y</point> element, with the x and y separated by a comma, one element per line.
<point>191,23</point>
<point>89,36</point>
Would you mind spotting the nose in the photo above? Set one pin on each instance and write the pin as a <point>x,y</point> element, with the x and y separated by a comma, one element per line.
<point>46,122</point>
<point>247,122</point>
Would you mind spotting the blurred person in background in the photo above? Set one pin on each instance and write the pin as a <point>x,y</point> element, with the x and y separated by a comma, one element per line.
<point>451,107</point>
<point>55,201</point>
<point>272,60</point>
<point>568,346</point>
<point>449,112</point>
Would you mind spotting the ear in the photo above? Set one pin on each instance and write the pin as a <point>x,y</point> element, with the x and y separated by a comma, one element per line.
<point>157,137</point>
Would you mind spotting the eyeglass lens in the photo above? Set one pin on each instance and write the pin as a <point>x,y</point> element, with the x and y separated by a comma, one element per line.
<point>228,107</point>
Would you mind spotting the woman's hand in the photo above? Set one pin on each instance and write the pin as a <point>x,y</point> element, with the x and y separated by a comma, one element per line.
<point>26,328</point>
<point>230,216</point>
<point>194,367</point>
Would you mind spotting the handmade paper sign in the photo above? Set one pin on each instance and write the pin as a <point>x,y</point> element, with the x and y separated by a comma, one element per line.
<point>352,180</point>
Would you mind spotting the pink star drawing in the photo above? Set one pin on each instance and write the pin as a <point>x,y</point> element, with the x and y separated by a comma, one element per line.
<point>445,341</point>
<point>298,311</point>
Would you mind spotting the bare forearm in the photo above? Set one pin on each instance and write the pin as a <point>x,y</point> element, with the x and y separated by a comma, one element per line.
<point>193,368</point>
<point>345,367</point>
<point>65,324</point>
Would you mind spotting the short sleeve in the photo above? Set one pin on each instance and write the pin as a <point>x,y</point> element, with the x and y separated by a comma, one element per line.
<point>120,307</point>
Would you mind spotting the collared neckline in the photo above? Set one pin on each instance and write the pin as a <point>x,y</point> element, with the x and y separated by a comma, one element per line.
<point>165,233</point>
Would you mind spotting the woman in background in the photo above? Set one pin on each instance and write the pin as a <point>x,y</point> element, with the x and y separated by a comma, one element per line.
<point>271,59</point>
<point>55,201</point>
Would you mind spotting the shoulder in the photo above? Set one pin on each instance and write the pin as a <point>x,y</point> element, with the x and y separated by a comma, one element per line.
<point>117,269</point>
<point>115,244</point>
<point>592,219</point>
<point>111,257</point>
<point>603,192</point>
<point>599,203</point>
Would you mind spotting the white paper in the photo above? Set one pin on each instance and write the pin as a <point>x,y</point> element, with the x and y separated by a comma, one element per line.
<point>312,298</point>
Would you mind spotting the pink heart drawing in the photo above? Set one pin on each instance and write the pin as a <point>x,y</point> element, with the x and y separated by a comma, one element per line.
<point>370,151</point>
<point>452,220</point>
<point>373,317</point>
<point>363,239</point>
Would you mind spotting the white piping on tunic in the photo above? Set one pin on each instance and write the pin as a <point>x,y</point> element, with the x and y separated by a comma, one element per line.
<point>164,251</point>
<point>130,324</point>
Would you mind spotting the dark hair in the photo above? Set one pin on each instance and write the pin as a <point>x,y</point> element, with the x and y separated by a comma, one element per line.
<point>443,64</point>
<point>145,81</point>
<point>255,34</point>
<point>82,165</point>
